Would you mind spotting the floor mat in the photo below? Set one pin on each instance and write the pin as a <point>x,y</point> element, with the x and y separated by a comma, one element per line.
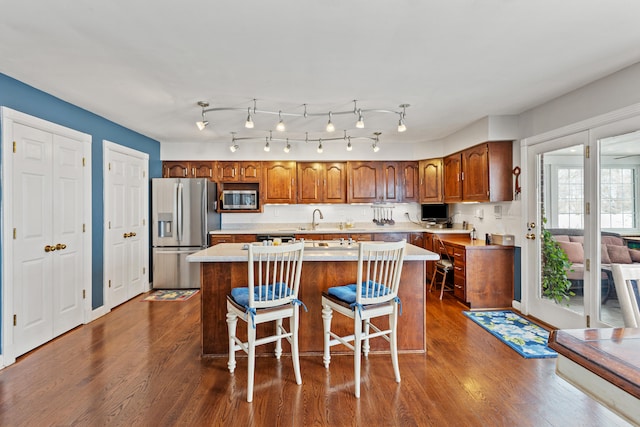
<point>171,295</point>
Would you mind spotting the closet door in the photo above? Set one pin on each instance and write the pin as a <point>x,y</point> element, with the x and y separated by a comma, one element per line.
<point>48,245</point>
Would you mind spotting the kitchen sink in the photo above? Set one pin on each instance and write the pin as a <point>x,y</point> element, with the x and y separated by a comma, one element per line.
<point>324,245</point>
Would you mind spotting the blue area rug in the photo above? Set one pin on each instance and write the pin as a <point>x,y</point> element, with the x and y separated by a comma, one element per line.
<point>525,337</point>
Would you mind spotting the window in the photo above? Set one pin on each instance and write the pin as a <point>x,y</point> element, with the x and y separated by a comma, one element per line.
<point>570,200</point>
<point>617,197</point>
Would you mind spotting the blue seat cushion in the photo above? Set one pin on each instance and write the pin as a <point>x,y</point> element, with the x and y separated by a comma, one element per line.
<point>268,292</point>
<point>636,292</point>
<point>347,293</point>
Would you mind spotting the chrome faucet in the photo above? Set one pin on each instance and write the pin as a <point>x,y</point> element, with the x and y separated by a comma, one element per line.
<point>314,224</point>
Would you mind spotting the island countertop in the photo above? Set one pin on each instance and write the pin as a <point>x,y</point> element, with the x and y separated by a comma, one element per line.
<point>234,252</point>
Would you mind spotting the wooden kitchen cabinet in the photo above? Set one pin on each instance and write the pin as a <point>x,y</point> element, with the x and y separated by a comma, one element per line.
<point>322,182</point>
<point>239,171</point>
<point>410,181</point>
<point>431,175</point>
<point>483,276</point>
<point>389,237</point>
<point>278,182</point>
<point>370,182</point>
<point>482,173</point>
<point>188,169</point>
<point>215,239</point>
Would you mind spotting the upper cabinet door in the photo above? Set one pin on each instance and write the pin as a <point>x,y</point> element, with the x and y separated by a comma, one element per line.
<point>390,184</point>
<point>278,182</point>
<point>335,182</point>
<point>175,169</point>
<point>453,178</point>
<point>310,177</point>
<point>250,171</point>
<point>363,182</point>
<point>431,181</point>
<point>475,166</point>
<point>202,169</point>
<point>410,182</point>
<point>228,171</point>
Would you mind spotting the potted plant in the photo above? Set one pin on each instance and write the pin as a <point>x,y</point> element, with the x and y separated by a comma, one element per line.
<point>555,264</point>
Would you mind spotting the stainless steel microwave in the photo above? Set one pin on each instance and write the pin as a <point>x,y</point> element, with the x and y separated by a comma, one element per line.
<point>239,199</point>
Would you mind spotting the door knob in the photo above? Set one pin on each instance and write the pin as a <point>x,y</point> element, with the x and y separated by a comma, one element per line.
<point>132,234</point>
<point>530,236</point>
<point>125,235</point>
<point>61,246</point>
<point>49,248</point>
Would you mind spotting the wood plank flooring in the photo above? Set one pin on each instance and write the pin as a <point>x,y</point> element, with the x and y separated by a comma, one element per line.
<point>140,365</point>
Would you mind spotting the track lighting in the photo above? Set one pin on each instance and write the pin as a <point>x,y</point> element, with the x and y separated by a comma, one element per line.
<point>280,127</point>
<point>360,122</point>
<point>330,126</point>
<point>319,150</point>
<point>349,146</point>
<point>287,147</point>
<point>249,123</point>
<point>203,123</point>
<point>234,147</point>
<point>375,147</point>
<point>267,148</point>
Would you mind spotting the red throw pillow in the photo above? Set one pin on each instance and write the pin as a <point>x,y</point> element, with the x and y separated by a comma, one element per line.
<point>574,251</point>
<point>635,255</point>
<point>619,254</point>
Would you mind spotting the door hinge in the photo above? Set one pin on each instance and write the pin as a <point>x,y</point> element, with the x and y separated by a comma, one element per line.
<point>587,264</point>
<point>587,208</point>
<point>144,174</point>
<point>144,221</point>
<point>15,320</point>
<point>84,294</point>
<point>144,270</point>
<point>109,283</point>
<point>109,165</point>
<point>84,162</point>
<point>84,228</point>
<point>587,151</point>
<point>14,146</point>
<point>588,321</point>
<point>15,234</point>
<point>109,225</point>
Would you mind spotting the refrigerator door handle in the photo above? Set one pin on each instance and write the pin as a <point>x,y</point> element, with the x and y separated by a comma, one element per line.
<point>203,217</point>
<point>179,212</point>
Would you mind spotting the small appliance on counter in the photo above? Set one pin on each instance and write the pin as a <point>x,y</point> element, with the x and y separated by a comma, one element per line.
<point>502,239</point>
<point>183,211</point>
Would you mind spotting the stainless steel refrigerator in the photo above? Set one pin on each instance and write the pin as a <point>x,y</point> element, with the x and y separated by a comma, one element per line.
<point>183,211</point>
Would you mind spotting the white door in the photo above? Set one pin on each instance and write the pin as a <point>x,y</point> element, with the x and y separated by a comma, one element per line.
<point>48,267</point>
<point>555,191</point>
<point>126,220</point>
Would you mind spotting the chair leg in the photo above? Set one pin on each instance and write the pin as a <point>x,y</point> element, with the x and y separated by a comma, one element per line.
<point>393,341</point>
<point>444,279</point>
<point>433,278</point>
<point>278,351</point>
<point>232,321</point>
<point>327,314</point>
<point>365,346</point>
<point>251,361</point>
<point>295,355</point>
<point>357,343</point>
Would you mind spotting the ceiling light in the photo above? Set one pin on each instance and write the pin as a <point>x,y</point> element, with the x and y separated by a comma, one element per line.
<point>401,125</point>
<point>280,126</point>
<point>249,123</point>
<point>375,147</point>
<point>349,146</point>
<point>360,122</point>
<point>203,123</point>
<point>234,147</point>
<point>267,148</point>
<point>319,150</point>
<point>287,147</point>
<point>330,126</point>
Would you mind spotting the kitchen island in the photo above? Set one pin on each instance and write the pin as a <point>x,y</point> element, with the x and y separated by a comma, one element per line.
<point>326,264</point>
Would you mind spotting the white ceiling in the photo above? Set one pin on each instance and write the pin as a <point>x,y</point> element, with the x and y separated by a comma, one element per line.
<point>145,64</point>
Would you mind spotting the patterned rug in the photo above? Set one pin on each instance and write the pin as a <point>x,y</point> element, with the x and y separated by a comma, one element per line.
<point>525,337</point>
<point>171,295</point>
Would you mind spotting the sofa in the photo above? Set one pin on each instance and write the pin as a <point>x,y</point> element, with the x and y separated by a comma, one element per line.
<point>613,250</point>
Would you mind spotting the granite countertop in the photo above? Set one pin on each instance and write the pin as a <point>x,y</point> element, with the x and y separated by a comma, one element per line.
<point>289,229</point>
<point>234,252</point>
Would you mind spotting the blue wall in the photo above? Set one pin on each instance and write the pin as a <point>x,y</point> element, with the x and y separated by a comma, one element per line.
<point>28,100</point>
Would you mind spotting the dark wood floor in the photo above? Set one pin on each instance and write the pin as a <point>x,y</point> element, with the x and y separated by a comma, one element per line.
<point>141,365</point>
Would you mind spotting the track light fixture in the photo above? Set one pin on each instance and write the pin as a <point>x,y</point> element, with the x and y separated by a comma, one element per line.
<point>268,139</point>
<point>287,147</point>
<point>349,146</point>
<point>375,146</point>
<point>280,126</point>
<point>330,126</point>
<point>320,150</point>
<point>233,147</point>
<point>267,148</point>
<point>203,123</point>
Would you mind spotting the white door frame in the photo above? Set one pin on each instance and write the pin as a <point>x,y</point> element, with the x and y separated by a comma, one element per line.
<point>109,147</point>
<point>597,127</point>
<point>9,117</point>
